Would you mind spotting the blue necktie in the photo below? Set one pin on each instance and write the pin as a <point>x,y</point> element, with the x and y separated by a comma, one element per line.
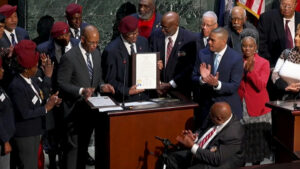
<point>13,40</point>
<point>216,63</point>
<point>89,65</point>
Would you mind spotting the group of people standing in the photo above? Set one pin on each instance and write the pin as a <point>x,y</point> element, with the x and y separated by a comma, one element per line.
<point>226,70</point>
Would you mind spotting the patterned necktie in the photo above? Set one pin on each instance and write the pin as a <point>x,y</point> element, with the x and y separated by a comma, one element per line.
<point>288,36</point>
<point>89,65</point>
<point>13,40</point>
<point>132,51</point>
<point>216,63</point>
<point>169,49</point>
<point>206,138</point>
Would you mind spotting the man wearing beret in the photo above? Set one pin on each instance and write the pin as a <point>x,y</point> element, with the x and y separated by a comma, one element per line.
<point>80,77</point>
<point>117,60</point>
<point>59,43</point>
<point>149,18</point>
<point>12,33</point>
<point>74,17</point>
<point>177,48</point>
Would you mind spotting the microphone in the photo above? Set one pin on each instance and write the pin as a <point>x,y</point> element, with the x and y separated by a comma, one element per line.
<point>124,79</point>
<point>166,142</point>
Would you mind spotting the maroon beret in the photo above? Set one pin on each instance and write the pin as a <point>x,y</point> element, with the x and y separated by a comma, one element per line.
<point>73,8</point>
<point>128,24</point>
<point>7,10</point>
<point>27,56</point>
<point>59,28</point>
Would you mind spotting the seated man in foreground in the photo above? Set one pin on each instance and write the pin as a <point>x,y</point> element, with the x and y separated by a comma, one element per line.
<point>217,145</point>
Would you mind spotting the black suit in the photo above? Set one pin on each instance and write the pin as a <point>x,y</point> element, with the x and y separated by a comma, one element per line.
<point>116,61</point>
<point>181,60</point>
<point>228,154</point>
<point>272,34</point>
<point>79,117</point>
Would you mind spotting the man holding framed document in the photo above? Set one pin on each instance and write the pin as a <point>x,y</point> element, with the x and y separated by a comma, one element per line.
<point>117,60</point>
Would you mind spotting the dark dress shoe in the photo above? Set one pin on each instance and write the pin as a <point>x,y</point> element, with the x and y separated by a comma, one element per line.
<point>89,160</point>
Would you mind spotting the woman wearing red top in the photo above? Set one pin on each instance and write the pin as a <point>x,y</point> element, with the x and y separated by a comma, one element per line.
<point>253,92</point>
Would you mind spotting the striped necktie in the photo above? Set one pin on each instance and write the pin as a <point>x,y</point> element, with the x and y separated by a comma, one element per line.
<point>13,40</point>
<point>89,65</point>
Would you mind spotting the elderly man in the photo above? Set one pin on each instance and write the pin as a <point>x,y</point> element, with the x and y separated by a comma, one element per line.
<point>149,18</point>
<point>217,74</point>
<point>177,48</point>
<point>117,60</point>
<point>209,22</point>
<point>80,77</point>
<point>216,145</point>
<point>236,25</point>
<point>12,33</point>
<point>277,30</point>
<point>74,17</point>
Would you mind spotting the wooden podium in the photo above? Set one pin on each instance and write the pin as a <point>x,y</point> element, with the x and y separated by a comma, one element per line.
<point>285,130</point>
<point>130,134</point>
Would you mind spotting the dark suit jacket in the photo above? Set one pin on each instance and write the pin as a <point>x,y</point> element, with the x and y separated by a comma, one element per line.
<point>73,74</point>
<point>200,43</point>
<point>113,58</point>
<point>82,26</point>
<point>20,33</point>
<point>230,74</point>
<point>228,141</point>
<point>181,60</point>
<point>272,34</point>
<point>157,20</point>
<point>48,47</point>
<point>7,120</point>
<point>29,116</point>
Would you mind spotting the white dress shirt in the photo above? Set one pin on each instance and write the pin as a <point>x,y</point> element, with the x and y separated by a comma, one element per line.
<point>291,25</point>
<point>127,45</point>
<point>9,37</point>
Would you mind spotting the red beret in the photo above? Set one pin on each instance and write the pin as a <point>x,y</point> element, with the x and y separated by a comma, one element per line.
<point>128,24</point>
<point>7,10</point>
<point>73,8</point>
<point>26,54</point>
<point>59,28</point>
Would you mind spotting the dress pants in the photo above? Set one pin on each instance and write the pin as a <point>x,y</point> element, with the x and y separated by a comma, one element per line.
<point>4,159</point>
<point>25,150</point>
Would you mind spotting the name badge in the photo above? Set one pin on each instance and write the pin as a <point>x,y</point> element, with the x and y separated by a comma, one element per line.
<point>34,99</point>
<point>2,97</point>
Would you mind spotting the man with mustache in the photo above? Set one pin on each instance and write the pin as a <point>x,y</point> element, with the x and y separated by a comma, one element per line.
<point>149,18</point>
<point>238,22</point>
<point>12,33</point>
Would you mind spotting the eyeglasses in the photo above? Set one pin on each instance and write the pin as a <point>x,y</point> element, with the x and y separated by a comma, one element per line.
<point>207,25</point>
<point>285,6</point>
<point>92,43</point>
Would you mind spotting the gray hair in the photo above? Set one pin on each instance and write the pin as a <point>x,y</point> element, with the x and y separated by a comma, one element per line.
<point>210,14</point>
<point>250,33</point>
<point>245,13</point>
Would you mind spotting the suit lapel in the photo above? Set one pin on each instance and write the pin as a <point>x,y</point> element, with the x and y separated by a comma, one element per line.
<point>279,27</point>
<point>82,63</point>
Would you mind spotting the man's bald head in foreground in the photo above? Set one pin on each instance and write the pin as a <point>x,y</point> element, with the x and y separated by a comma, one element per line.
<point>220,112</point>
<point>90,38</point>
<point>170,23</point>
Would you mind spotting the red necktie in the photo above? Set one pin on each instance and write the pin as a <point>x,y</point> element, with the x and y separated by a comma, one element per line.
<point>169,49</point>
<point>288,36</point>
<point>206,138</point>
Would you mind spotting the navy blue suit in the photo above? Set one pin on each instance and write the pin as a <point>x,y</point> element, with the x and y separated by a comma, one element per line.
<point>181,60</point>
<point>7,121</point>
<point>82,26</point>
<point>20,33</point>
<point>48,48</point>
<point>230,74</point>
<point>114,67</point>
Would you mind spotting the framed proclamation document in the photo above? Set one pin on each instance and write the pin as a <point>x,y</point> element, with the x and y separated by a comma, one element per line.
<point>145,73</point>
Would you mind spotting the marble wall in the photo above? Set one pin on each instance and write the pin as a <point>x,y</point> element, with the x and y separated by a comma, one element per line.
<point>102,13</point>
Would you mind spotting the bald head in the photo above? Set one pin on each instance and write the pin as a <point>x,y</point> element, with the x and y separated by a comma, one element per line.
<point>90,38</point>
<point>238,18</point>
<point>170,23</point>
<point>220,112</point>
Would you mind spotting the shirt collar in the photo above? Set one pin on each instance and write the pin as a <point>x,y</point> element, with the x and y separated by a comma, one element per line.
<point>174,36</point>
<point>221,53</point>
<point>8,33</point>
<point>291,19</point>
<point>28,80</point>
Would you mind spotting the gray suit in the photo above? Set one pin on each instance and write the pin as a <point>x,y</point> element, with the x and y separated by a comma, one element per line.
<point>79,117</point>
